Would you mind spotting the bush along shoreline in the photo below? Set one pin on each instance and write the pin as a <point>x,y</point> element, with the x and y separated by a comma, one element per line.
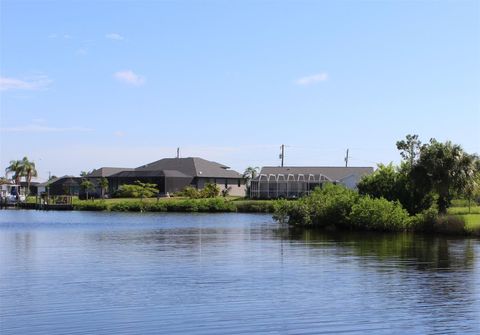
<point>203,205</point>
<point>335,207</point>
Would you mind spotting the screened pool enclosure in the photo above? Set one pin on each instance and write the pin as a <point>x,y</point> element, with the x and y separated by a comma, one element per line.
<point>286,185</point>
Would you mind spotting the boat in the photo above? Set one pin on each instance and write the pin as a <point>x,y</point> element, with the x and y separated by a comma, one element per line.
<point>11,194</point>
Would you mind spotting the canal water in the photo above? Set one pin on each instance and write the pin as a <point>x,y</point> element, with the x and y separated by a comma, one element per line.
<point>114,273</point>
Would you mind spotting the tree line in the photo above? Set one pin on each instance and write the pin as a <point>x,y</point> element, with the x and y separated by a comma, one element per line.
<point>430,174</point>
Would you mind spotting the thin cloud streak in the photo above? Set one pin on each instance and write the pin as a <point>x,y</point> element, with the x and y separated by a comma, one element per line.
<point>312,79</point>
<point>30,84</point>
<point>129,77</point>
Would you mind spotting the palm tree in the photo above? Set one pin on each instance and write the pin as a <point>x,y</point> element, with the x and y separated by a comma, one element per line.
<point>29,171</point>
<point>87,186</point>
<point>103,185</point>
<point>15,167</point>
<point>250,173</point>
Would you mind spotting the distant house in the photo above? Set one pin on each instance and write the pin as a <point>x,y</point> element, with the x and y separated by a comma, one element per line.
<point>33,187</point>
<point>297,181</point>
<point>66,185</point>
<point>174,174</point>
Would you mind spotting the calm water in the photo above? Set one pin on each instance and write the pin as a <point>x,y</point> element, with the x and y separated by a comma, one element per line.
<point>106,273</point>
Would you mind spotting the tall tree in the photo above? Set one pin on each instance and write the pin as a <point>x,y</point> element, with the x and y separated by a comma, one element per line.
<point>103,185</point>
<point>410,148</point>
<point>15,167</point>
<point>395,183</point>
<point>87,185</point>
<point>447,168</point>
<point>29,171</point>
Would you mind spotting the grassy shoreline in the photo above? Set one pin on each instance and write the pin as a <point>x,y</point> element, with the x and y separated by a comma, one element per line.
<point>470,216</point>
<point>211,205</point>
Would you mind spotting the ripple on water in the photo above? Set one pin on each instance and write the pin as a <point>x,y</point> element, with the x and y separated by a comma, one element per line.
<point>104,273</point>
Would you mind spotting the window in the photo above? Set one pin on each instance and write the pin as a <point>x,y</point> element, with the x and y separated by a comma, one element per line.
<point>226,183</point>
<point>239,182</point>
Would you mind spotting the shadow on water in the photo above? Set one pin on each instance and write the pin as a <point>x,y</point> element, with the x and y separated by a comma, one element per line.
<point>442,270</point>
<point>423,252</point>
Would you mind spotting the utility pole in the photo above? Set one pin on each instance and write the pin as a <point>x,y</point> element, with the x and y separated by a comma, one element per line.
<point>282,153</point>
<point>346,159</point>
<point>178,152</point>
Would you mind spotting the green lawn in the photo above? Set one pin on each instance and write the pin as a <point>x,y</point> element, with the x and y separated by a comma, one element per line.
<point>31,199</point>
<point>472,221</point>
<point>123,200</point>
<point>463,210</point>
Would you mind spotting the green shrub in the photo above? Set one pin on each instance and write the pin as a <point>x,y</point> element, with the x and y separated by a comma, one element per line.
<point>331,205</point>
<point>187,205</point>
<point>190,192</point>
<point>281,210</point>
<point>128,206</point>
<point>90,205</point>
<point>215,205</point>
<point>160,206</point>
<point>378,214</point>
<point>136,190</point>
<point>335,206</point>
<point>424,221</point>
<point>255,206</point>
<point>296,213</point>
<point>210,191</point>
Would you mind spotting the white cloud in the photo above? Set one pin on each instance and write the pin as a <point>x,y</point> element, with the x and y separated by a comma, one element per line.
<point>36,128</point>
<point>114,36</point>
<point>31,84</point>
<point>312,79</point>
<point>119,133</point>
<point>129,77</point>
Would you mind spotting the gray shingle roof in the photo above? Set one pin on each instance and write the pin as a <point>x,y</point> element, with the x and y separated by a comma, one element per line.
<point>48,182</point>
<point>64,179</point>
<point>150,173</point>
<point>106,172</point>
<point>192,166</point>
<point>332,172</point>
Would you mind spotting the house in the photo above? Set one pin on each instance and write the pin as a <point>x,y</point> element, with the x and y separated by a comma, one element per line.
<point>66,185</point>
<point>297,181</point>
<point>174,174</point>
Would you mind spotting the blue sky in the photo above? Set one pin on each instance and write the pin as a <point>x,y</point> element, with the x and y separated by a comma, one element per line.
<point>87,84</point>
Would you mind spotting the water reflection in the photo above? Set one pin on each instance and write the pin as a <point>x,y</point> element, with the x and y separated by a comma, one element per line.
<point>422,252</point>
<point>104,273</point>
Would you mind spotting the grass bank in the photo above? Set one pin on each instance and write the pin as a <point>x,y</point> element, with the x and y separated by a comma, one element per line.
<point>210,205</point>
